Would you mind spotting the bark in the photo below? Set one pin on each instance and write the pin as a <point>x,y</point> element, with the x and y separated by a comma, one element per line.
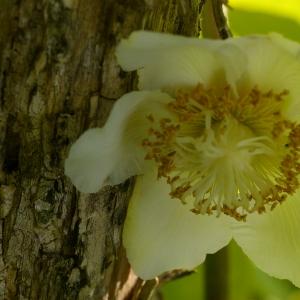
<point>58,77</point>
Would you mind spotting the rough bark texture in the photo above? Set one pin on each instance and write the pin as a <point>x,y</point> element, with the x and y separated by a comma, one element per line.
<point>58,77</point>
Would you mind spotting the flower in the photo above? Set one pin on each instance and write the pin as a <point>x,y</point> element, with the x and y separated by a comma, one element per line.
<point>213,134</point>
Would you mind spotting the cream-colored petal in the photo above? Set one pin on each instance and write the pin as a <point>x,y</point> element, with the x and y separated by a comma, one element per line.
<point>184,66</point>
<point>269,65</point>
<point>273,67</point>
<point>89,161</point>
<point>289,45</point>
<point>234,62</point>
<point>111,154</point>
<point>161,234</point>
<point>168,61</point>
<point>134,129</point>
<point>293,109</point>
<point>272,240</point>
<point>134,53</point>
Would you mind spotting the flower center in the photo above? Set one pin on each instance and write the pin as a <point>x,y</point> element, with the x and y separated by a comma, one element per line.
<point>227,155</point>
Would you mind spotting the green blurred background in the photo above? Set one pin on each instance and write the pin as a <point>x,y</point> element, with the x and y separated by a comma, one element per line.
<point>245,281</point>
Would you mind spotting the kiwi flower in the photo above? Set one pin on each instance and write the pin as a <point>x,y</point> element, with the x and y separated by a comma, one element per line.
<point>213,134</point>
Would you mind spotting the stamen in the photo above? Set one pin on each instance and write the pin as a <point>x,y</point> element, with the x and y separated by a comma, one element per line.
<point>227,155</point>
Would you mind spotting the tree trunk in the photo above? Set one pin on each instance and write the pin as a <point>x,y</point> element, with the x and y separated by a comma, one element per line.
<point>58,77</point>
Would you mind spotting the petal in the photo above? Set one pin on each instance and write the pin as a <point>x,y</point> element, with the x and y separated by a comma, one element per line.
<point>272,66</point>
<point>289,45</point>
<point>233,60</point>
<point>184,66</point>
<point>272,240</point>
<point>161,234</point>
<point>169,61</point>
<point>114,153</point>
<point>133,130</point>
<point>89,161</point>
<point>133,53</point>
<point>269,65</point>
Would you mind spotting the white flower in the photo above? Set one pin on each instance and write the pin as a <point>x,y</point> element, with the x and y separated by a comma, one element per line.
<point>213,125</point>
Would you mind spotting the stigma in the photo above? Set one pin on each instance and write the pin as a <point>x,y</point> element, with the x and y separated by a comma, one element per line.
<point>224,154</point>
